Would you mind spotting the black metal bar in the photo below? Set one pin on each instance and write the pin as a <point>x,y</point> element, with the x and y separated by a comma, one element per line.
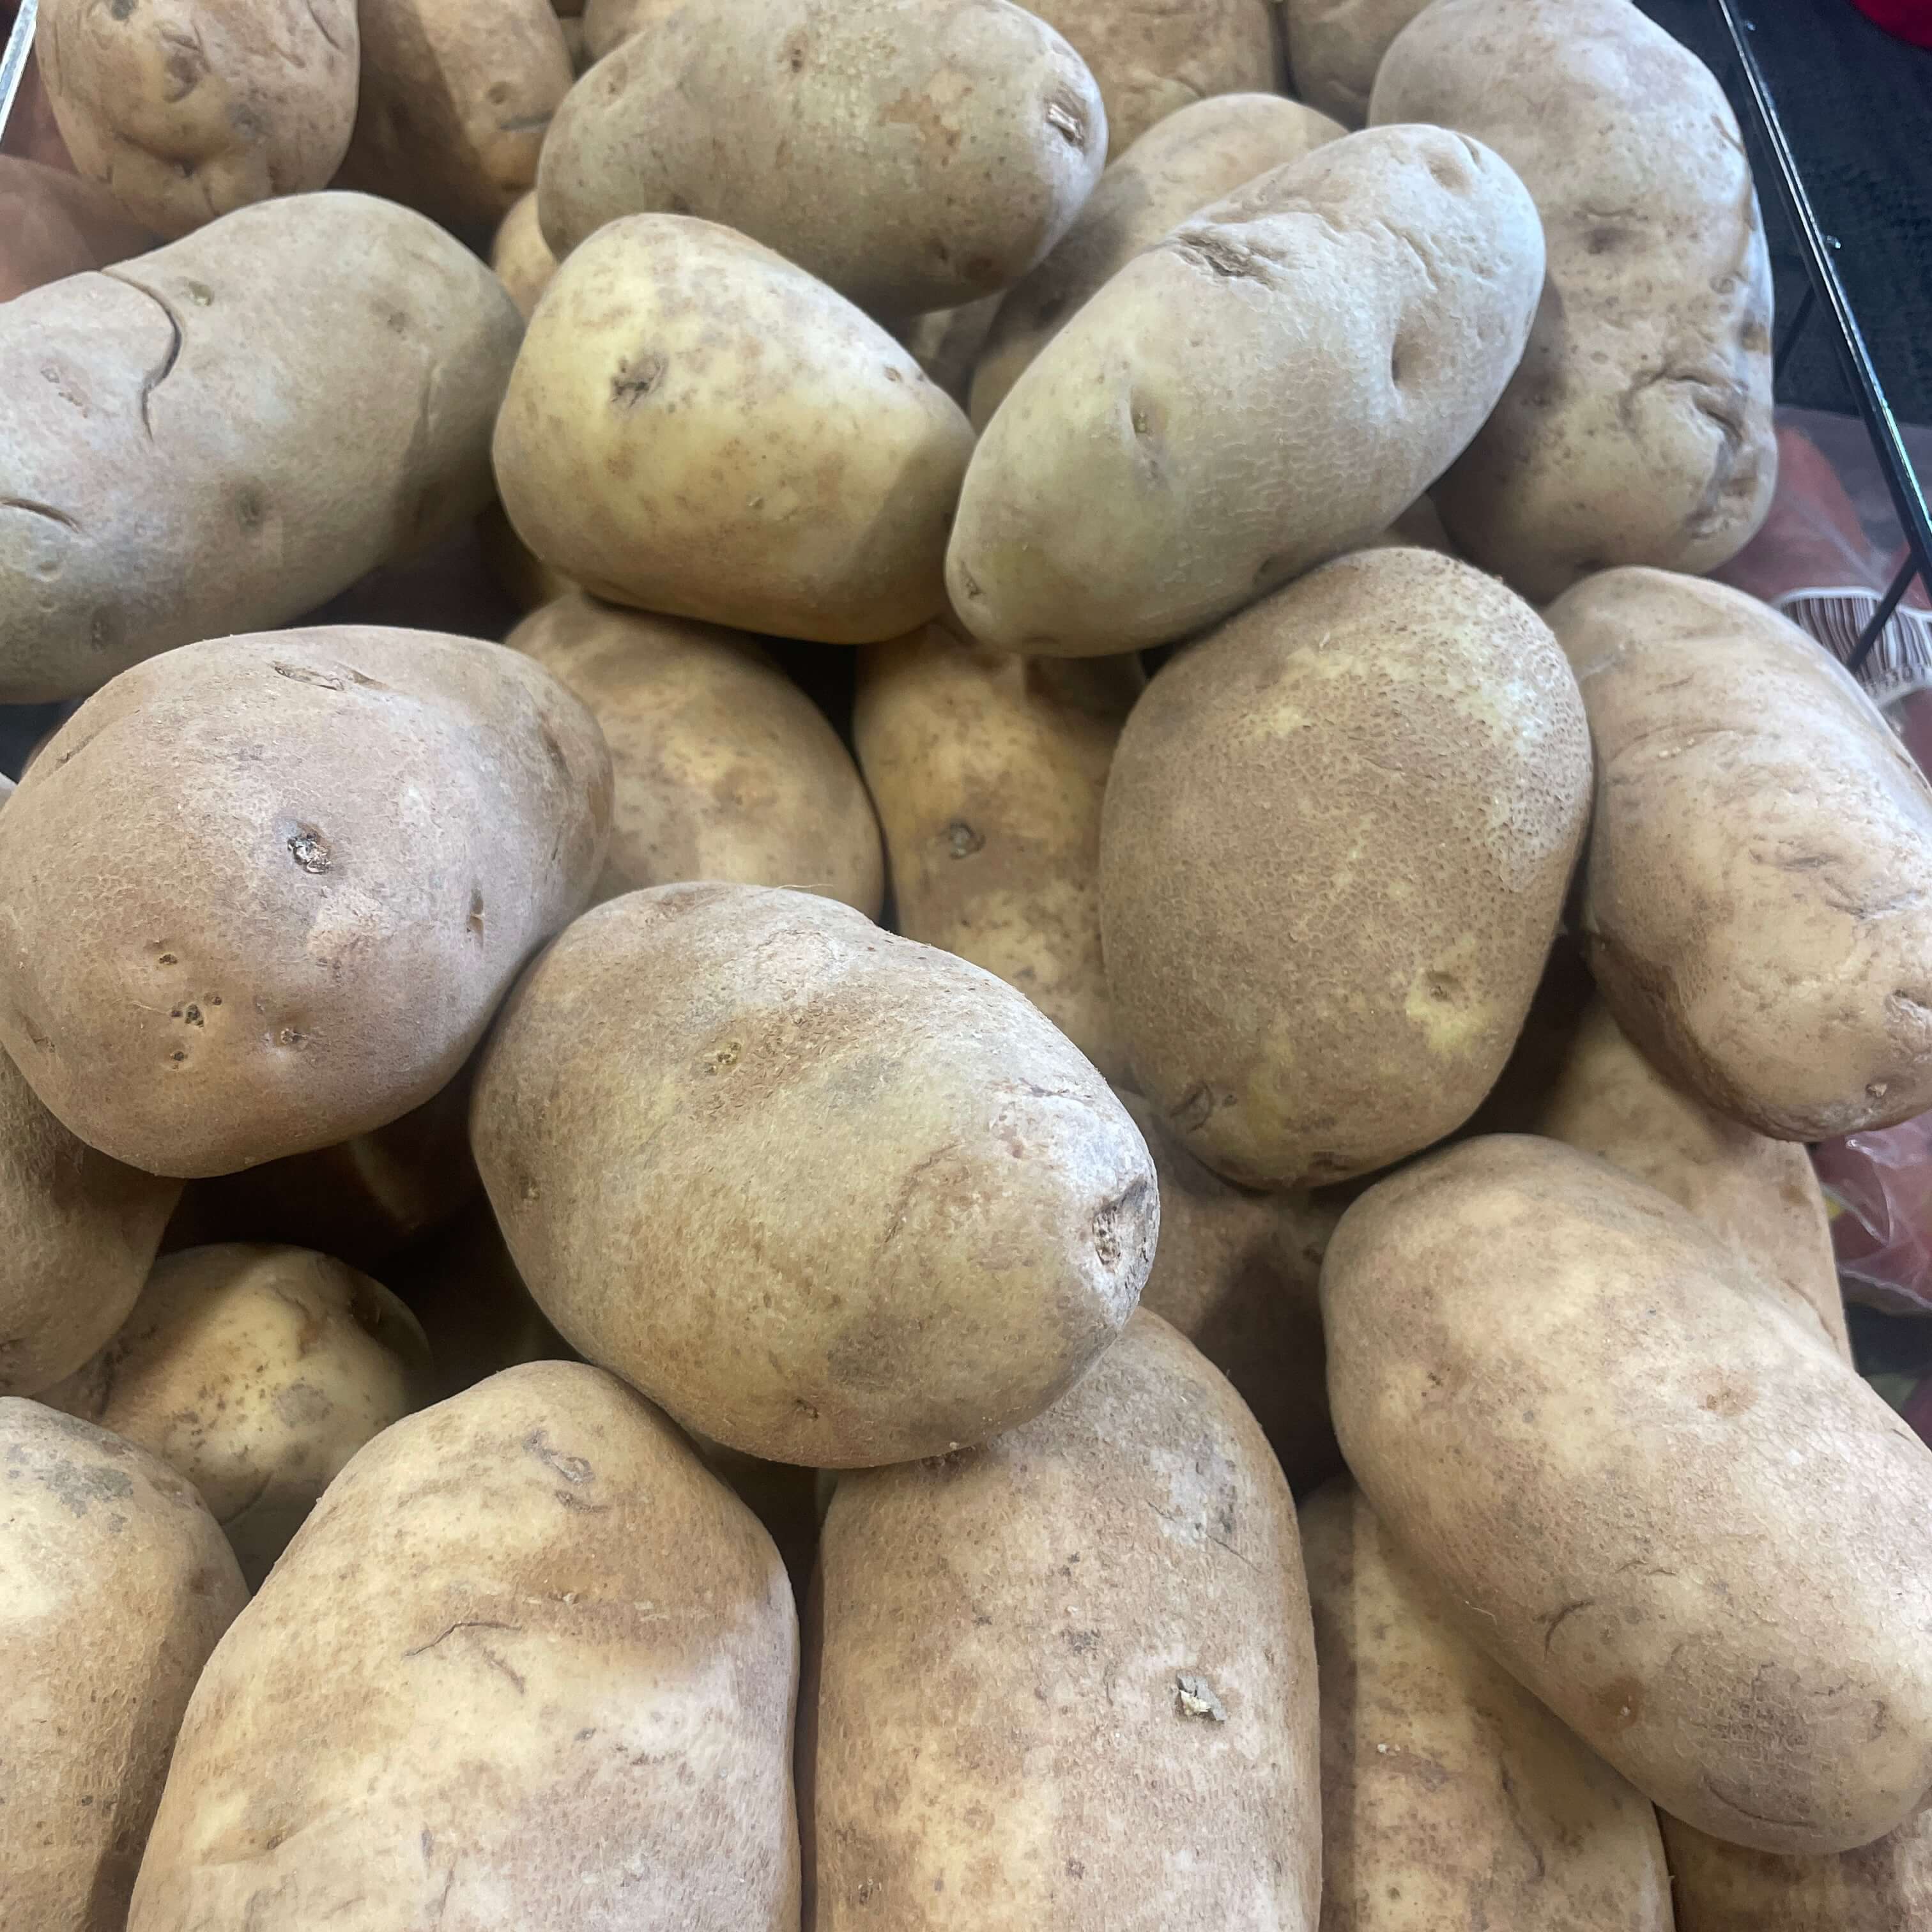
<point>1793,329</point>
<point>1881,617</point>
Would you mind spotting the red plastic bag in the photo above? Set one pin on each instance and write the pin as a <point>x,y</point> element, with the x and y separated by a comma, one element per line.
<point>1878,1191</point>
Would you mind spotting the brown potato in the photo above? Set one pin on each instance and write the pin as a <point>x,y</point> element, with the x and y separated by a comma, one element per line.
<point>1334,47</point>
<point>520,255</point>
<point>53,224</point>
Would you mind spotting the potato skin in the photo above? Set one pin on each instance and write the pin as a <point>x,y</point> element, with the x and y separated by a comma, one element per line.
<point>521,256</point>
<point>115,1584</point>
<point>918,1211</point>
<point>1754,902</point>
<point>1449,1796</point>
<point>1335,47</point>
<point>1303,1010</point>
<point>1271,385</point>
<point>1001,1738</point>
<point>1697,1537</point>
<point>666,441</point>
<point>1638,429</point>
<point>982,133</point>
<point>608,22</point>
<point>526,1649</point>
<point>723,769</point>
<point>108,555</point>
<point>345,945</point>
<point>56,225</point>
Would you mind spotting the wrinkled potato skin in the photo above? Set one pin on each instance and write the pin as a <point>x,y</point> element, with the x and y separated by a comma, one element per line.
<point>982,134</point>
<point>114,1586</point>
<point>1449,1796</point>
<point>918,1212</point>
<point>344,947</point>
<point>57,225</point>
<point>1754,903</point>
<point>1193,157</point>
<point>376,346</point>
<point>1334,47</point>
<point>1697,1536</point>
<point>1270,386</point>
<point>667,442</point>
<point>256,1373</point>
<point>1000,1740</point>
<point>521,256</point>
<point>1302,1010</point>
<point>527,1651</point>
<point>987,771</point>
<point>1638,429</point>
<point>723,768</point>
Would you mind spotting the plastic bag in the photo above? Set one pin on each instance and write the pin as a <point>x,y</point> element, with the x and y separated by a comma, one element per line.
<point>1878,1191</point>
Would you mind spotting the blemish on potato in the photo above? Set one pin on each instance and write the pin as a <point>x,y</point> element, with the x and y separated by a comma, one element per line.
<point>310,850</point>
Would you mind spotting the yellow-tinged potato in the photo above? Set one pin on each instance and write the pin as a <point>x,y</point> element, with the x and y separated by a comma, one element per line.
<point>521,256</point>
<point>529,1663</point>
<point>1693,1532</point>
<point>1303,1009</point>
<point>914,154</point>
<point>696,426</point>
<point>1334,47</point>
<point>830,1196</point>
<point>1755,904</point>
<point>723,769</point>
<point>53,224</point>
<point>114,1584</point>
<point>987,771</point>
<point>1272,384</point>
<point>1638,429</point>
<point>1068,1679</point>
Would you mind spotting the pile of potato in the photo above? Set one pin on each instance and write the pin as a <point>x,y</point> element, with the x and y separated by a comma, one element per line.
<point>669,1273</point>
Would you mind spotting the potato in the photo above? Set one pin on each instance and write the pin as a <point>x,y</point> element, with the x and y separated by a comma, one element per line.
<point>1183,163</point>
<point>913,154</point>
<point>946,343</point>
<point>529,1663</point>
<point>987,771</point>
<point>222,436</point>
<point>53,224</point>
<point>1303,1008</point>
<point>608,22</point>
<point>576,45</point>
<point>1449,1796</point>
<point>383,825</point>
<point>1638,429</point>
<point>115,1584</point>
<point>520,255</point>
<point>916,1212</point>
<point>256,1373</point>
<point>1697,1537</point>
<point>523,577</point>
<point>724,768</point>
<point>1271,385</point>
<point>1754,904</point>
<point>655,446</point>
<point>188,109</point>
<point>1067,1679</point>
<point>1334,47</point>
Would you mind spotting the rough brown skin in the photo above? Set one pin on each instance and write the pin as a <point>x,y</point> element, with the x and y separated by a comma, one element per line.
<point>114,1584</point>
<point>1698,1537</point>
<point>220,436</point>
<point>987,771</point>
<point>723,768</point>
<point>521,256</point>
<point>1755,905</point>
<point>917,1211</point>
<point>914,154</point>
<point>387,823</point>
<point>53,224</point>
<point>1334,47</point>
<point>1638,429</point>
<point>1304,1010</point>
<point>1449,1796</point>
<point>529,1663</point>
<point>1067,1679</point>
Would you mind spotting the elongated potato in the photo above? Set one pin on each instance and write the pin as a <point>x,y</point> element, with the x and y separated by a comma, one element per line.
<point>529,1663</point>
<point>222,436</point>
<point>54,224</point>
<point>916,1212</point>
<point>1272,384</point>
<point>1449,1796</point>
<point>1335,47</point>
<point>1638,429</point>
<point>1755,905</point>
<point>1697,1537</point>
<point>1067,1679</point>
<point>521,256</point>
<point>344,944</point>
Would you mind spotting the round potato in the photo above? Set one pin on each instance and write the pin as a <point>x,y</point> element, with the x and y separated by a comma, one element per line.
<point>521,256</point>
<point>529,1663</point>
<point>1695,1535</point>
<point>1068,1678</point>
<point>945,344</point>
<point>1274,383</point>
<point>723,768</point>
<point>115,1584</point>
<point>914,154</point>
<point>385,824</point>
<point>1334,47</point>
<point>1303,1010</point>
<point>916,1212</point>
<point>54,225</point>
